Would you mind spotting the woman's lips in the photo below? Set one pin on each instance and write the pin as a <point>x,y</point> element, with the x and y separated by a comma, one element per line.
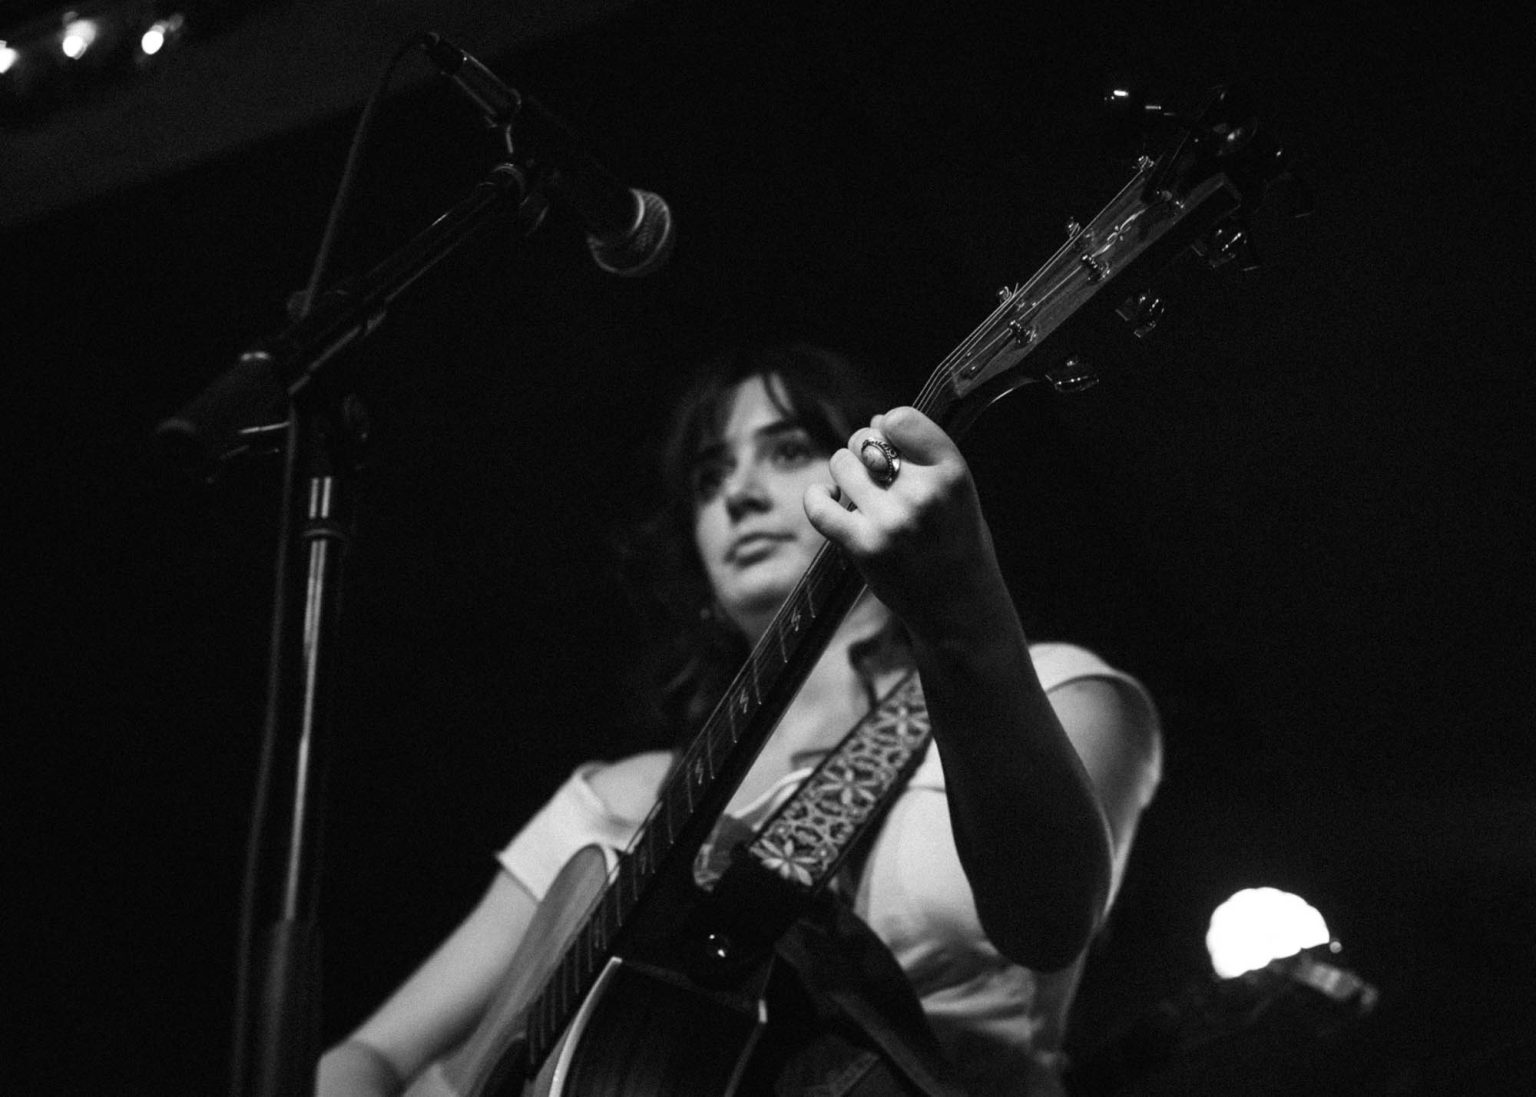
<point>752,545</point>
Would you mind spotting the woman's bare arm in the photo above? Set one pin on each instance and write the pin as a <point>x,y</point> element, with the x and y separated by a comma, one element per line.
<point>437,1006</point>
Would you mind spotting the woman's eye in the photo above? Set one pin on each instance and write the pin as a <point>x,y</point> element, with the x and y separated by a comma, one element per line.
<point>793,451</point>
<point>706,480</point>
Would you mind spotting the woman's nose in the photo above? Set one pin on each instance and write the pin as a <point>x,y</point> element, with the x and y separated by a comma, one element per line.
<point>744,490</point>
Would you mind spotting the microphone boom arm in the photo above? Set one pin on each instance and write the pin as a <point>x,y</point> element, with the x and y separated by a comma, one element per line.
<point>276,1038</point>
<point>295,360</point>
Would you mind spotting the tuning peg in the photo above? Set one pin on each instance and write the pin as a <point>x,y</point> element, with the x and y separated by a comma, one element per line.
<point>1142,311</point>
<point>1073,375</point>
<point>1231,112</point>
<point>1230,243</point>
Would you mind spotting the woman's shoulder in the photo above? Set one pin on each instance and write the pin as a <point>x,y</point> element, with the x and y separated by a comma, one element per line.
<point>628,787</point>
<point>1058,662</point>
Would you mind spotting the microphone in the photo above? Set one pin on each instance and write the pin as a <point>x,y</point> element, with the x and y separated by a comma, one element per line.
<point>629,231</point>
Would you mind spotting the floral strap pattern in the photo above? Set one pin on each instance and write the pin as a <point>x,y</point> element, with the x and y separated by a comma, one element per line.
<point>806,839</point>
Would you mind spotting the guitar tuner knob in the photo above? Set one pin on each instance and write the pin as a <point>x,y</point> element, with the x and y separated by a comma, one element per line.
<point>1142,311</point>
<point>1230,242</point>
<point>1073,375</point>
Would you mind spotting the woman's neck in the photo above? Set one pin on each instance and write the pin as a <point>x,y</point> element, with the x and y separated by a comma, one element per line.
<point>832,698</point>
<point>834,676</point>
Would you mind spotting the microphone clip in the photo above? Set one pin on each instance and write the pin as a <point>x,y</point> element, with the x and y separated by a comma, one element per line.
<point>498,103</point>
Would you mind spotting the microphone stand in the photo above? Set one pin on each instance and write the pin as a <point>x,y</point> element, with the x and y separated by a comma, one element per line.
<point>277,1015</point>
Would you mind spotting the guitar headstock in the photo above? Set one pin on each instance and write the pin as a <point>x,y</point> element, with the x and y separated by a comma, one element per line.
<point>1186,199</point>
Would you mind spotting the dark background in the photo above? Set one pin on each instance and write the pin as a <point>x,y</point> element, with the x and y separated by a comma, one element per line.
<point>1300,519</point>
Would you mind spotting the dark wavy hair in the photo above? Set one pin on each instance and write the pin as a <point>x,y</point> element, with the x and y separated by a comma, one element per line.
<point>697,652</point>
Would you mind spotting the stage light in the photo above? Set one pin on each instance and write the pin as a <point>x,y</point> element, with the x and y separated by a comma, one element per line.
<point>161,34</point>
<point>1258,925</point>
<point>79,35</point>
<point>1278,991</point>
<point>85,50</point>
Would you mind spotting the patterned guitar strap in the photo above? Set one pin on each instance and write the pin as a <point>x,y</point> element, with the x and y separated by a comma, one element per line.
<point>799,848</point>
<point>808,838</point>
<point>774,895</point>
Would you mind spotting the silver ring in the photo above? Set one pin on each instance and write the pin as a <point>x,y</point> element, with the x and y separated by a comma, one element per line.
<point>884,466</point>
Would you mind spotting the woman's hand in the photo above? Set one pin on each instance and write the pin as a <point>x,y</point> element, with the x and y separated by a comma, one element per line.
<point>1027,823</point>
<point>920,541</point>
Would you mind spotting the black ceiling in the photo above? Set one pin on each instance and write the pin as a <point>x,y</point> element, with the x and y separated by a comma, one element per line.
<point>245,71</point>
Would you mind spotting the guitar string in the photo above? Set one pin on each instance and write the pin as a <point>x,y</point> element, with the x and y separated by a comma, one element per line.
<point>811,589</point>
<point>944,376</point>
<point>940,382</point>
<point>580,964</point>
<point>763,657</point>
<point>989,329</point>
<point>817,578</point>
<point>584,951</point>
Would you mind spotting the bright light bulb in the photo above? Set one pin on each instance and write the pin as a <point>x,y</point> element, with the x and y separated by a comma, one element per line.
<point>78,36</point>
<point>8,58</point>
<point>161,33</point>
<point>1258,925</point>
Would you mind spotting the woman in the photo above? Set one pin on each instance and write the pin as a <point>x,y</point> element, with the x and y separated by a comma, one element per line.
<point>999,857</point>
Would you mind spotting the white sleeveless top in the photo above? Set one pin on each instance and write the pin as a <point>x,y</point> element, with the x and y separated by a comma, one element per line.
<point>1001,1024</point>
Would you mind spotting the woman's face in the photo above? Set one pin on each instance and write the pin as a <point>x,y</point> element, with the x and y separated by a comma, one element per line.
<point>749,520</point>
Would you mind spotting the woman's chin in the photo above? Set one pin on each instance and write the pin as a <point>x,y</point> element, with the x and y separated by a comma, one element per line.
<point>754,605</point>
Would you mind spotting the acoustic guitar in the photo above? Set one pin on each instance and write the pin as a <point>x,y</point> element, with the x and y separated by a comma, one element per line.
<point>630,982</point>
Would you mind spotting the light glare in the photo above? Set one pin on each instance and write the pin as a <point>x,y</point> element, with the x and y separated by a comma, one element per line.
<point>8,58</point>
<point>1257,925</point>
<point>78,36</point>
<point>161,33</point>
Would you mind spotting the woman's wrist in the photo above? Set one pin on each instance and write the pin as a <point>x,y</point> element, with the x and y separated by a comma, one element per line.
<point>967,620</point>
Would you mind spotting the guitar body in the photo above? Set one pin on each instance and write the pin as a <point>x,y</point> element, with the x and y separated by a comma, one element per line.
<point>491,1056</point>
<point>645,1032</point>
<point>642,1031</point>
